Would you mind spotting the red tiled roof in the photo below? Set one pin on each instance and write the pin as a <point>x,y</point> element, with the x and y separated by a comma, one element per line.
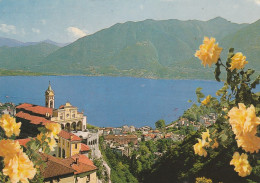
<point>40,110</point>
<point>150,135</point>
<point>82,159</point>
<point>23,142</point>
<point>24,105</point>
<point>80,163</point>
<point>69,136</point>
<point>33,119</point>
<point>55,167</point>
<point>58,167</point>
<point>61,107</point>
<point>84,147</point>
<point>35,108</point>
<point>120,136</point>
<point>82,168</point>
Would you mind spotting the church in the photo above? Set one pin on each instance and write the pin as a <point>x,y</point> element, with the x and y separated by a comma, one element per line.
<point>69,161</point>
<point>33,116</point>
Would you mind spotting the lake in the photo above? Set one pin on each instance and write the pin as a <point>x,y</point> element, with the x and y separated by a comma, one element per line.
<point>110,101</point>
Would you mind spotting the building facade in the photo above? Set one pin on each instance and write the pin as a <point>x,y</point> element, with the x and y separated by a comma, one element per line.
<point>66,115</point>
<point>70,145</point>
<point>70,118</point>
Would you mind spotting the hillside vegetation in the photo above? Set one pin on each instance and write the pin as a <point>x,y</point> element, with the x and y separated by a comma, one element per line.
<point>149,48</point>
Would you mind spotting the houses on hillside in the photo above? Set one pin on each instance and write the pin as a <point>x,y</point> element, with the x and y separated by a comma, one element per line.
<point>69,161</point>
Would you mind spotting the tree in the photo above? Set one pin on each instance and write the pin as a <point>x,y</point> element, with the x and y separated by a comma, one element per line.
<point>160,124</point>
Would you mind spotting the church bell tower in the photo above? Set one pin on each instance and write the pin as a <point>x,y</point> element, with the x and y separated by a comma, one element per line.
<point>49,97</point>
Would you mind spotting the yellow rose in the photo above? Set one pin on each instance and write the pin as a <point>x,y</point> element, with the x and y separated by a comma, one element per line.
<point>19,168</point>
<point>238,61</point>
<point>53,128</point>
<point>9,125</point>
<point>198,148</point>
<point>244,125</point>
<point>9,147</point>
<point>250,143</point>
<point>241,164</point>
<point>206,135</point>
<point>206,100</point>
<point>17,165</point>
<point>209,52</point>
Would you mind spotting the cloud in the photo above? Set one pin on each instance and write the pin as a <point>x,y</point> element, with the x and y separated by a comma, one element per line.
<point>76,32</point>
<point>141,7</point>
<point>36,30</point>
<point>257,2</point>
<point>9,29</point>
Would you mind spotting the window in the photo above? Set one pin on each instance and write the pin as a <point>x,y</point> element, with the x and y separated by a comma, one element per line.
<point>59,154</point>
<point>68,115</point>
<point>61,117</point>
<point>73,115</point>
<point>68,144</point>
<point>88,178</point>
<point>63,153</point>
<point>76,146</point>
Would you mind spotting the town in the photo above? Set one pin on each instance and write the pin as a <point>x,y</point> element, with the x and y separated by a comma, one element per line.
<point>78,142</point>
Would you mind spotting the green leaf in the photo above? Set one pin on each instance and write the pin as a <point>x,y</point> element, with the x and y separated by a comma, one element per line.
<point>249,72</point>
<point>255,97</point>
<point>223,137</point>
<point>217,71</point>
<point>256,82</point>
<point>231,50</point>
<point>33,146</point>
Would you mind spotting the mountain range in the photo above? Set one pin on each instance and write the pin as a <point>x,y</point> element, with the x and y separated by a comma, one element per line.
<point>149,48</point>
<point>14,43</point>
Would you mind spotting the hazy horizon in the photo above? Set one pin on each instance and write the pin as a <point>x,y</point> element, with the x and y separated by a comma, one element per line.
<point>66,21</point>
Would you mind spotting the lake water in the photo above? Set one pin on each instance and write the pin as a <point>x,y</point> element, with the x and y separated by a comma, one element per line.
<point>110,101</point>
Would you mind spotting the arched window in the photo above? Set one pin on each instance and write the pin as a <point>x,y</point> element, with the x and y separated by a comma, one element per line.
<point>73,126</point>
<point>79,126</point>
<point>67,127</point>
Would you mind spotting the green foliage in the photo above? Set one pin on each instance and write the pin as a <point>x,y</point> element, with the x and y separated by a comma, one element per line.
<point>160,124</point>
<point>119,165</point>
<point>181,164</point>
<point>24,58</point>
<point>203,180</point>
<point>101,172</point>
<point>149,49</point>
<point>89,126</point>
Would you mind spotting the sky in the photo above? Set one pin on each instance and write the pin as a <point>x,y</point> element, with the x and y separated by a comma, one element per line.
<point>65,21</point>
